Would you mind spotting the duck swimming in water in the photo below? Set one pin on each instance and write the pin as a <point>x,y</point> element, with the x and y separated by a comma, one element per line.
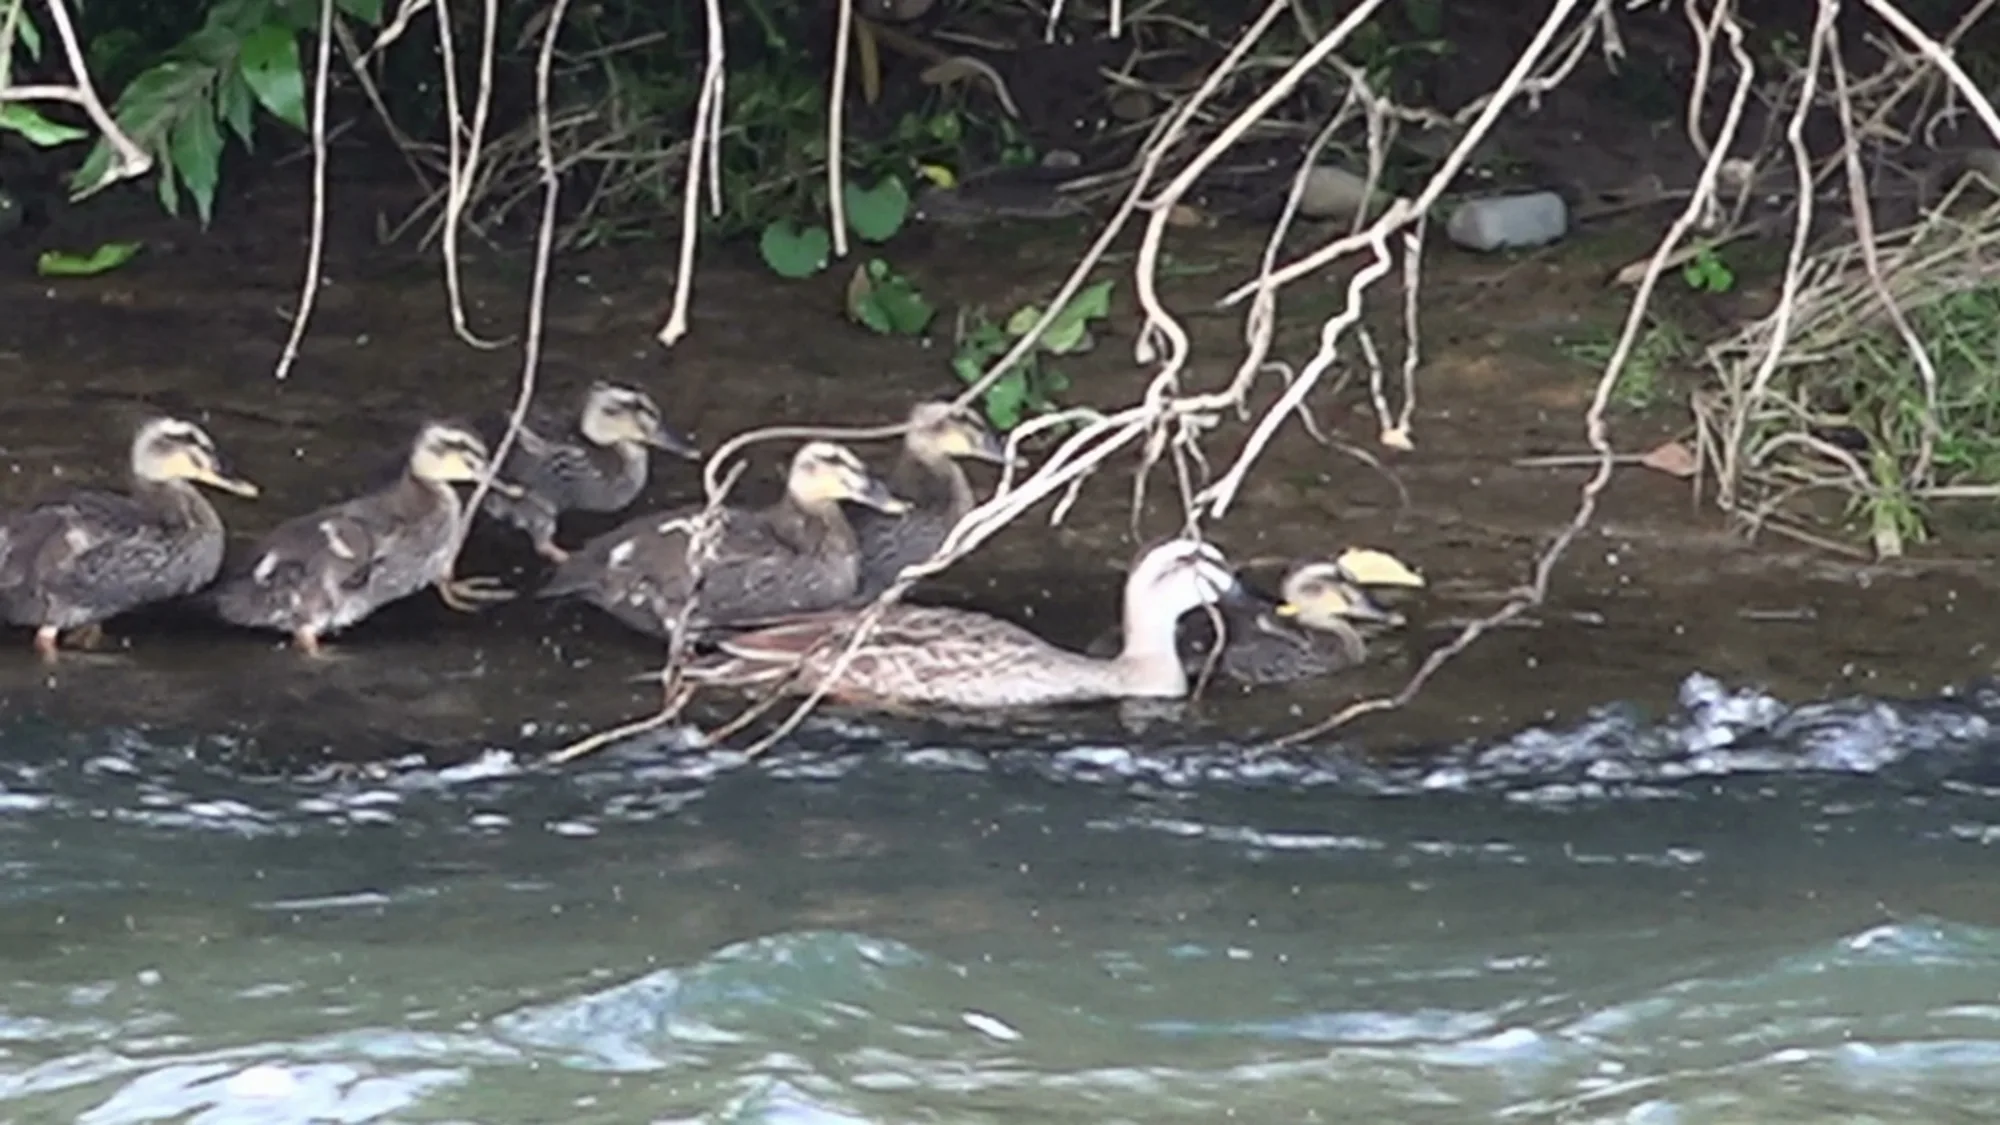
<point>1316,629</point>
<point>73,561</point>
<point>327,570</point>
<point>930,656</point>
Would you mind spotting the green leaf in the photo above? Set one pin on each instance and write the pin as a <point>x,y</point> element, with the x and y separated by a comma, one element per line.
<point>233,102</point>
<point>1023,319</point>
<point>104,259</point>
<point>149,109</point>
<point>31,36</point>
<point>195,150</point>
<point>1069,329</point>
<point>792,252</point>
<point>19,118</point>
<point>269,58</point>
<point>886,301</point>
<point>367,11</point>
<point>1006,399</point>
<point>168,189</point>
<point>876,214</point>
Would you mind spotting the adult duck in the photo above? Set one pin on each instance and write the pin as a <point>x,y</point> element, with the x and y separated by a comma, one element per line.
<point>934,656</point>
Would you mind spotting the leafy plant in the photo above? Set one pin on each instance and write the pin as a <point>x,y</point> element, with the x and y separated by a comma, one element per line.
<point>887,302</point>
<point>244,56</point>
<point>876,214</point>
<point>18,117</point>
<point>1029,385</point>
<point>873,215</point>
<point>1706,272</point>
<point>795,252</point>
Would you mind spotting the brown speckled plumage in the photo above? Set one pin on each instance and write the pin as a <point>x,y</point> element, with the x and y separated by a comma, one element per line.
<point>77,559</point>
<point>797,555</point>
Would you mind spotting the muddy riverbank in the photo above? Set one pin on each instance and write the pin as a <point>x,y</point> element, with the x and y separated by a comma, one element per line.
<point>1654,590</point>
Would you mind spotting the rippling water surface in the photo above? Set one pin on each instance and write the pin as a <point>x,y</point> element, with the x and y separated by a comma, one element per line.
<point>1735,913</point>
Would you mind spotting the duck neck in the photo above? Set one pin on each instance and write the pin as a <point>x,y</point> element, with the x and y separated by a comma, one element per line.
<point>628,463</point>
<point>413,494</point>
<point>178,497</point>
<point>1150,663</point>
<point>817,521</point>
<point>931,481</point>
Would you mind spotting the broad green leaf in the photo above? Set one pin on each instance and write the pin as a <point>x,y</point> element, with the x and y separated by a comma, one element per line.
<point>1006,399</point>
<point>1067,331</point>
<point>1023,319</point>
<point>104,259</point>
<point>149,109</point>
<point>873,317</point>
<point>887,302</point>
<point>269,60</point>
<point>792,252</point>
<point>909,313</point>
<point>233,102</point>
<point>876,214</point>
<point>19,118</point>
<point>195,150</point>
<point>967,368</point>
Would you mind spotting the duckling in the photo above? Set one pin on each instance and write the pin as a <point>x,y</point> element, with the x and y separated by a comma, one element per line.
<point>934,656</point>
<point>1326,599</point>
<point>1316,627</point>
<point>71,562</point>
<point>322,572</point>
<point>798,554</point>
<point>928,475</point>
<point>596,463</point>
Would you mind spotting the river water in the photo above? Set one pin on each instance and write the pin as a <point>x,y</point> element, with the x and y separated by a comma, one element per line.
<point>1733,912</point>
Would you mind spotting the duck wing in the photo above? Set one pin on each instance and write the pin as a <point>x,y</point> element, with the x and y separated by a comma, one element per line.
<point>649,550</point>
<point>912,651</point>
<point>539,460</point>
<point>300,567</point>
<point>69,539</point>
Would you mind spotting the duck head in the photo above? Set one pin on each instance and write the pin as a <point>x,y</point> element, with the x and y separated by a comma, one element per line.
<point>939,430</point>
<point>615,415</point>
<point>167,449</point>
<point>823,472</point>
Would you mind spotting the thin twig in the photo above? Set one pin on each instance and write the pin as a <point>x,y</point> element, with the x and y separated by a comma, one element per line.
<point>316,246</point>
<point>707,112</point>
<point>538,285</point>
